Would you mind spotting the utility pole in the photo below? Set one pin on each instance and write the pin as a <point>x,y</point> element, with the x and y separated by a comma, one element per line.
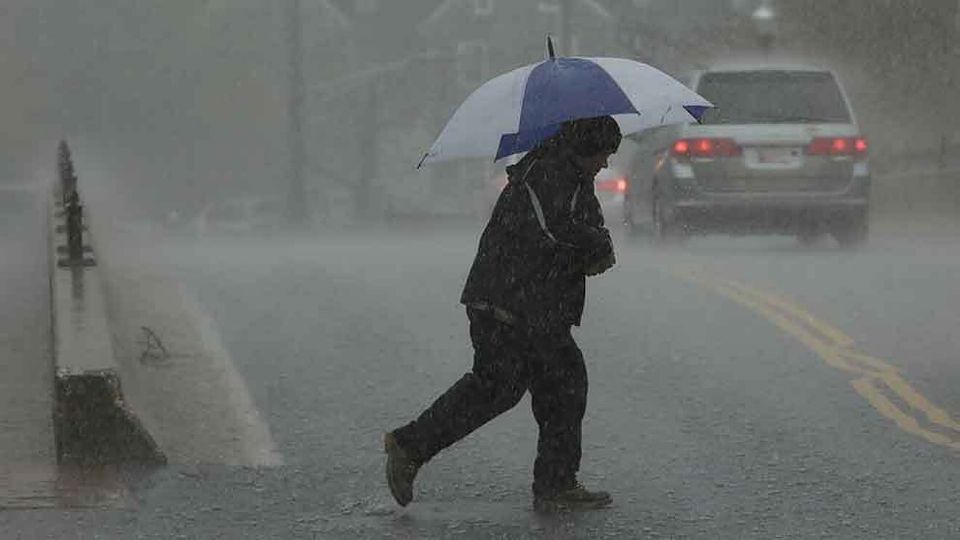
<point>765,22</point>
<point>566,40</point>
<point>296,195</point>
<point>368,105</point>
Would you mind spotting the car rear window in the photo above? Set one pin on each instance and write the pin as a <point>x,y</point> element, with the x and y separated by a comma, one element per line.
<point>773,97</point>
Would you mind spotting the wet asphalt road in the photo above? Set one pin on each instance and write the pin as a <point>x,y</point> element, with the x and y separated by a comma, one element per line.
<point>738,388</point>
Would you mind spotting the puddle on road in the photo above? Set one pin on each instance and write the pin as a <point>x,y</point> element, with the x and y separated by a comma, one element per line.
<point>36,486</point>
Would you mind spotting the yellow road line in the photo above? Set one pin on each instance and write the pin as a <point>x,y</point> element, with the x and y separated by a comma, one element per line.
<point>826,351</point>
<point>887,373</point>
<point>836,336</point>
<point>836,349</point>
<point>918,401</point>
<point>865,387</point>
<point>878,366</point>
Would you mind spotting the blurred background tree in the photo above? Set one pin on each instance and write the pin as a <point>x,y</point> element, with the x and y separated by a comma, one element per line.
<point>184,102</point>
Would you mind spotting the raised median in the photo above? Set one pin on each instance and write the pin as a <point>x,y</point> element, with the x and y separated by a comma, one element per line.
<point>93,424</point>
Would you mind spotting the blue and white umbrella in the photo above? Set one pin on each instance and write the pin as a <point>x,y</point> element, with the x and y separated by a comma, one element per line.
<point>514,112</point>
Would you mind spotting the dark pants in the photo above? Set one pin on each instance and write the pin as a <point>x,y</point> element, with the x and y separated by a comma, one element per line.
<point>508,361</point>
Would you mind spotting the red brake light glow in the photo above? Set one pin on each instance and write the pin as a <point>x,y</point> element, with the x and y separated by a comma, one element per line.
<point>706,148</point>
<point>838,146</point>
<point>618,185</point>
<point>681,148</point>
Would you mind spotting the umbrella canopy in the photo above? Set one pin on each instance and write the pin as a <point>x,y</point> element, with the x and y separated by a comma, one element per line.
<point>516,111</point>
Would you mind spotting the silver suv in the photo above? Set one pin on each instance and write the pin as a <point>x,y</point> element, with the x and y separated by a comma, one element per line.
<point>781,154</point>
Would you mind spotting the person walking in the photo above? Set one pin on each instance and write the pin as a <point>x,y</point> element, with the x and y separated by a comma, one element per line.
<point>525,290</point>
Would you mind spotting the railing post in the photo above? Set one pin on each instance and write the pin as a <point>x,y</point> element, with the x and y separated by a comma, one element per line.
<point>72,213</point>
<point>68,178</point>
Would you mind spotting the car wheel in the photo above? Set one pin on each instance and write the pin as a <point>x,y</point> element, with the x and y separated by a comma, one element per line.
<point>634,230</point>
<point>853,231</point>
<point>665,231</point>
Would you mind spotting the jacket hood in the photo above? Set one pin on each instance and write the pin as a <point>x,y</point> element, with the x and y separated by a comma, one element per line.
<point>554,154</point>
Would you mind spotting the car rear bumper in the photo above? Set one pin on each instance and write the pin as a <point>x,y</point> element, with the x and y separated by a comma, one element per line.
<point>766,214</point>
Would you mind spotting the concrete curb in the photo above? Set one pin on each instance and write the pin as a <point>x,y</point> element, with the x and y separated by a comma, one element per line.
<point>178,374</point>
<point>93,424</point>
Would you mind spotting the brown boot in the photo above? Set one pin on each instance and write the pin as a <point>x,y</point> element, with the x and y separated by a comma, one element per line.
<point>401,470</point>
<point>575,498</point>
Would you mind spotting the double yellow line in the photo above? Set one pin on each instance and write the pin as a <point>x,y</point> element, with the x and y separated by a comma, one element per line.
<point>875,380</point>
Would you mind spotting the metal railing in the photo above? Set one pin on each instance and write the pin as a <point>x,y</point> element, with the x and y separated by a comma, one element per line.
<point>71,212</point>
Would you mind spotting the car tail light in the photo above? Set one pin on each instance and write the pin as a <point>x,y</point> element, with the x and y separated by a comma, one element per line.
<point>838,146</point>
<point>681,148</point>
<point>618,185</point>
<point>706,148</point>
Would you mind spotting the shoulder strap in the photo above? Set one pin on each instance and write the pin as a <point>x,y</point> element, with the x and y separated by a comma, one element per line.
<point>535,201</point>
<point>538,210</point>
<point>576,195</point>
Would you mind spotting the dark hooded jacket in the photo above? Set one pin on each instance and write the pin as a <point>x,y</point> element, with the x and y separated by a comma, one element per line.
<point>536,275</point>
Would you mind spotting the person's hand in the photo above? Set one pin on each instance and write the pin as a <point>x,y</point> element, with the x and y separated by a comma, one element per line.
<point>601,265</point>
<point>601,257</point>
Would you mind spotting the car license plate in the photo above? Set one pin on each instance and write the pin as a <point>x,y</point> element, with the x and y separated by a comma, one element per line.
<point>777,156</point>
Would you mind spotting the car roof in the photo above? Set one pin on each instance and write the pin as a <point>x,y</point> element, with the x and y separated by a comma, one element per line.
<point>755,66</point>
<point>744,65</point>
<point>738,67</point>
